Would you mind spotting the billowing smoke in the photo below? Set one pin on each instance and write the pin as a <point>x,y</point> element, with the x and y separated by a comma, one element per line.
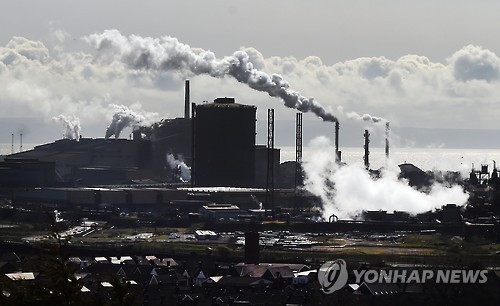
<point>71,126</point>
<point>180,167</point>
<point>348,190</point>
<point>167,53</point>
<point>125,117</point>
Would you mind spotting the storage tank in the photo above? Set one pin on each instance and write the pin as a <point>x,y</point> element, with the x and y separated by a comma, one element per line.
<point>224,141</point>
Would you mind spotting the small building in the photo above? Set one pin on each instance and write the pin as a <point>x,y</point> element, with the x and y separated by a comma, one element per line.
<point>221,211</point>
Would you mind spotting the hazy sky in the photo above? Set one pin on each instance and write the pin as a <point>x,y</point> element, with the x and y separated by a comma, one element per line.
<point>432,64</point>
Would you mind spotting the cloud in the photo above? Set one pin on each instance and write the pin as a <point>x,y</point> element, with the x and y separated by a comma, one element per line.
<point>45,79</point>
<point>475,63</point>
<point>23,49</point>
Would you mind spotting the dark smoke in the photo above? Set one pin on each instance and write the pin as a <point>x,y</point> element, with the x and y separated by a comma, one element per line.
<point>167,53</point>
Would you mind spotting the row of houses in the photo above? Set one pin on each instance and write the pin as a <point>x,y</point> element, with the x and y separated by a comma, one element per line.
<point>149,280</point>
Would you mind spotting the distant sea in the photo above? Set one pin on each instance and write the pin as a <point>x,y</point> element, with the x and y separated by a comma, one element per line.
<point>424,158</point>
<point>6,148</point>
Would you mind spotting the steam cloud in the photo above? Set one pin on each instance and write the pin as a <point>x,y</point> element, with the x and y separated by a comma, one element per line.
<point>180,166</point>
<point>71,126</point>
<point>125,117</point>
<point>168,53</point>
<point>348,190</point>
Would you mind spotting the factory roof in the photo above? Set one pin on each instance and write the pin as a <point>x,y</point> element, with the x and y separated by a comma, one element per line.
<point>222,189</point>
<point>224,103</point>
<point>220,207</point>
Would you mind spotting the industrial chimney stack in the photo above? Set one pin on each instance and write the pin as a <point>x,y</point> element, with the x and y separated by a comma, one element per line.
<point>387,140</point>
<point>338,157</point>
<point>186,100</point>
<point>367,150</point>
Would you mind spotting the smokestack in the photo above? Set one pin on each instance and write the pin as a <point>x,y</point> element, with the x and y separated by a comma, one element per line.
<point>186,100</point>
<point>12,143</point>
<point>193,148</point>
<point>21,143</point>
<point>337,152</point>
<point>367,150</point>
<point>387,140</point>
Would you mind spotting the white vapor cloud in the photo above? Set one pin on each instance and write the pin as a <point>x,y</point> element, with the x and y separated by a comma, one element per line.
<point>124,117</point>
<point>71,126</point>
<point>184,171</point>
<point>167,53</point>
<point>348,190</point>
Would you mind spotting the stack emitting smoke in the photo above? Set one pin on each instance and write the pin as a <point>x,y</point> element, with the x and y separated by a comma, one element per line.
<point>71,126</point>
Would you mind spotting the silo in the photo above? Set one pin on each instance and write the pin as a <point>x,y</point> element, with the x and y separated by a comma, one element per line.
<point>224,141</point>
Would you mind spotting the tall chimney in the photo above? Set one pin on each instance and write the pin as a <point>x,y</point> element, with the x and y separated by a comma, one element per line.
<point>186,100</point>
<point>193,147</point>
<point>12,143</point>
<point>367,150</point>
<point>21,143</point>
<point>387,140</point>
<point>337,152</point>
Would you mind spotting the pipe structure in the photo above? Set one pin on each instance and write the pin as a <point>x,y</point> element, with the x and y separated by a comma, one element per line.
<point>12,143</point>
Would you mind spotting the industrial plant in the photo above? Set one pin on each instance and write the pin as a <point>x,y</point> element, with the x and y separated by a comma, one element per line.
<point>209,155</point>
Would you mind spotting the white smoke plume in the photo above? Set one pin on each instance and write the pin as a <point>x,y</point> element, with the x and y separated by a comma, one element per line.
<point>125,117</point>
<point>71,126</point>
<point>358,117</point>
<point>167,53</point>
<point>348,190</point>
<point>180,166</point>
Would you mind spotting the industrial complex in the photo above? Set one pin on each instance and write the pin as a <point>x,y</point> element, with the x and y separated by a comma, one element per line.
<point>208,157</point>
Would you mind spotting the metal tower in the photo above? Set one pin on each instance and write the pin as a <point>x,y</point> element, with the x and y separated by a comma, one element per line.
<point>298,160</point>
<point>298,151</point>
<point>270,163</point>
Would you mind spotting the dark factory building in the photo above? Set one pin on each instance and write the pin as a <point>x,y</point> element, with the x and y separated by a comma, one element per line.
<point>90,161</point>
<point>224,144</point>
<point>216,148</point>
<point>15,172</point>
